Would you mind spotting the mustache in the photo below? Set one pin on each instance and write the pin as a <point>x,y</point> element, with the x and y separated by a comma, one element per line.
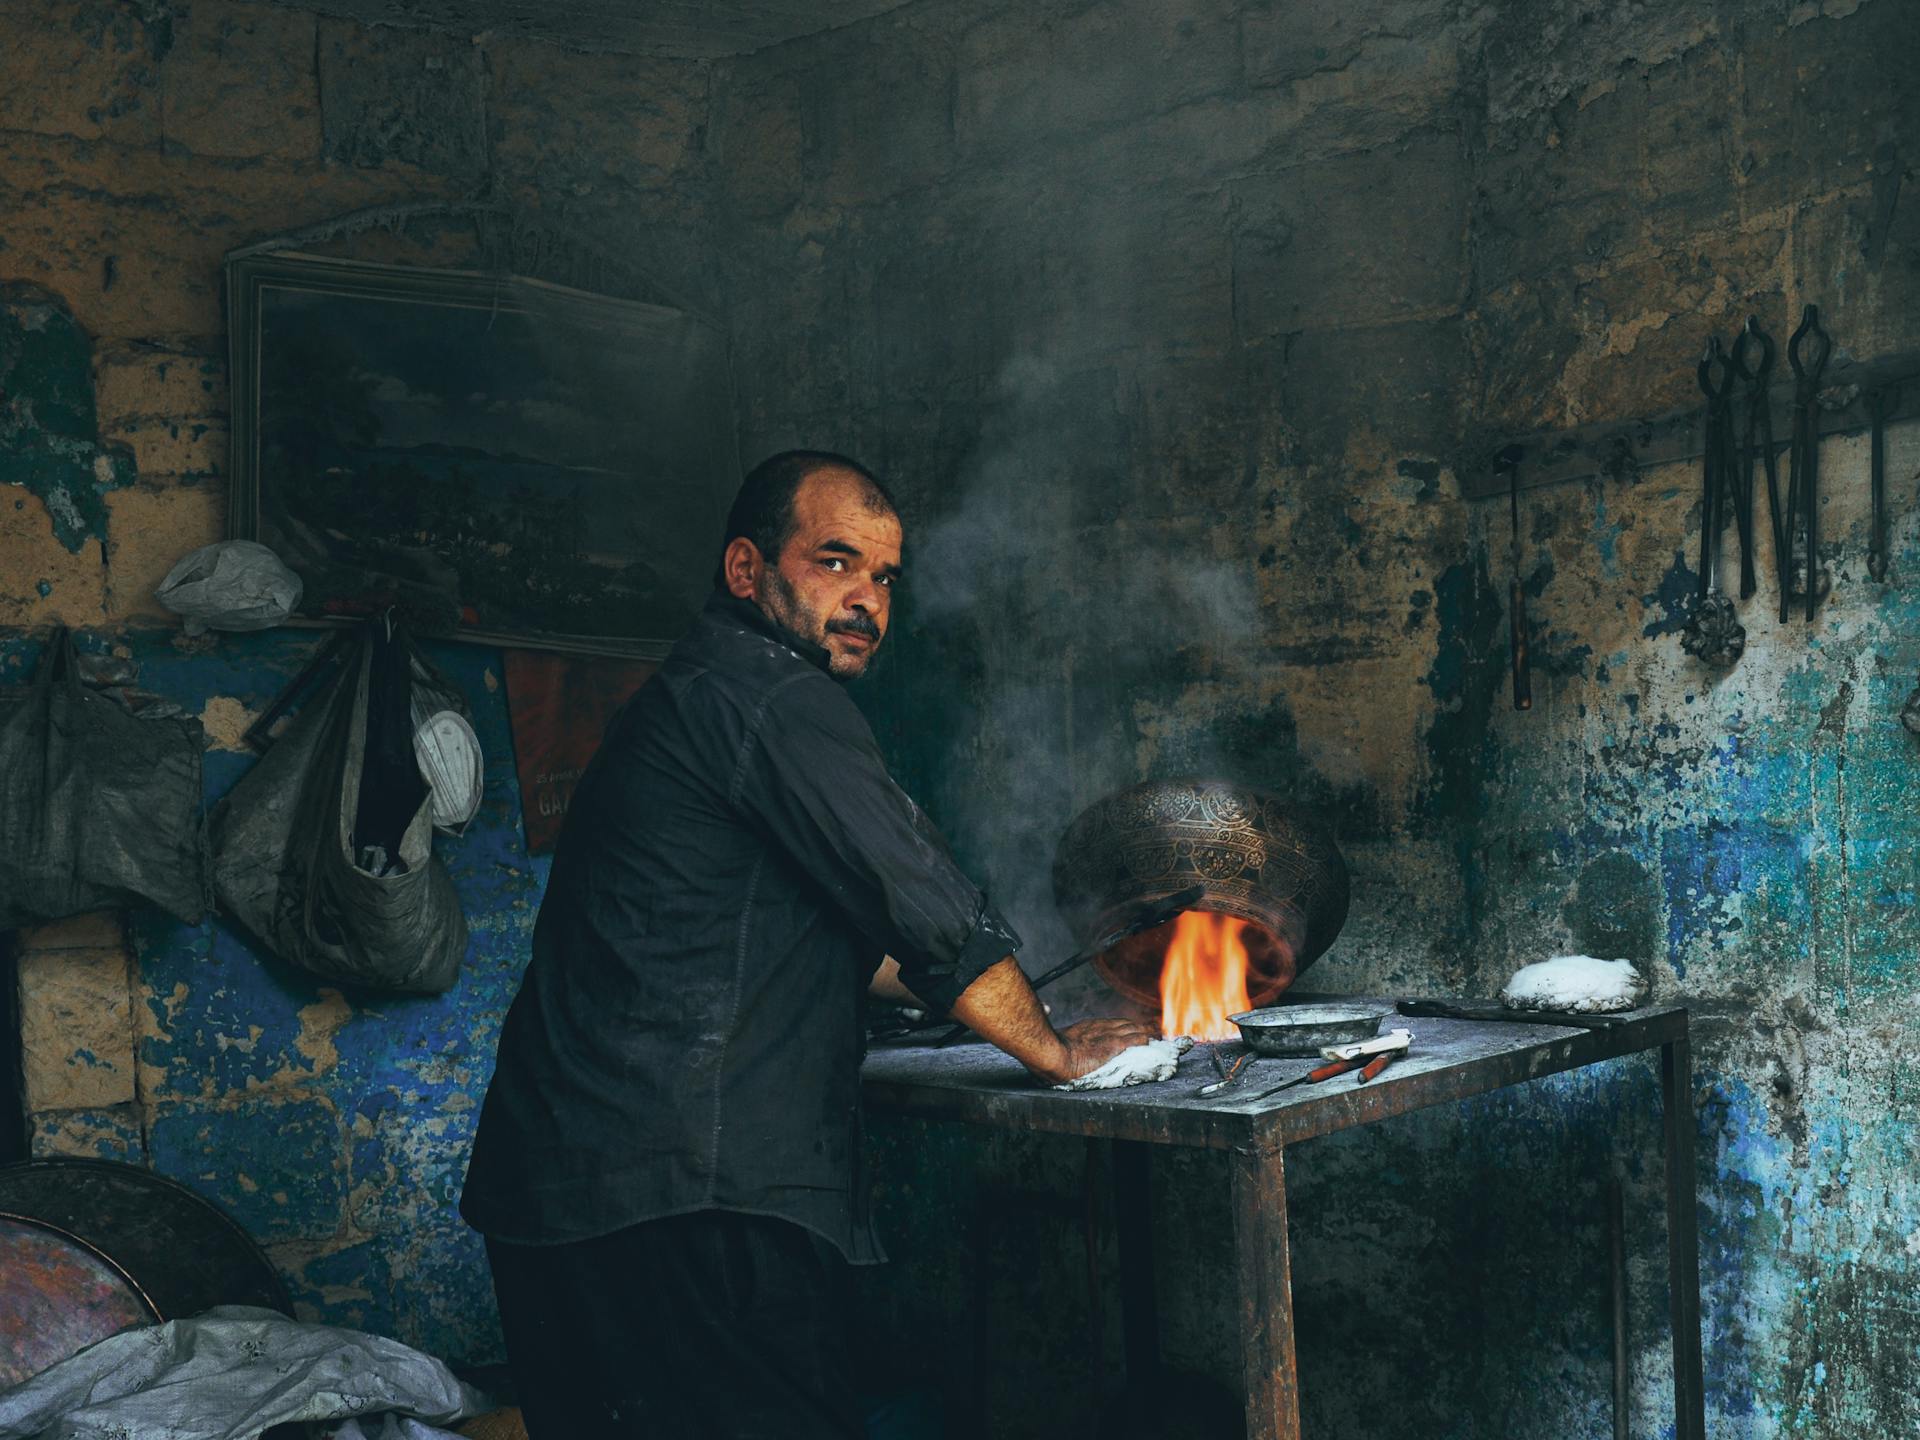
<point>858,625</point>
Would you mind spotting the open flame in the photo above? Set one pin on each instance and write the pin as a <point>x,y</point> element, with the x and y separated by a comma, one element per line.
<point>1203,979</point>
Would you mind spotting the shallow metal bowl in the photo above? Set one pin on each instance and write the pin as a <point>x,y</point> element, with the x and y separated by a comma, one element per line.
<point>1295,1030</point>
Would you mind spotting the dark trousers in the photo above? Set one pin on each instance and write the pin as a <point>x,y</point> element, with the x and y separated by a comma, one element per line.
<point>710,1326</point>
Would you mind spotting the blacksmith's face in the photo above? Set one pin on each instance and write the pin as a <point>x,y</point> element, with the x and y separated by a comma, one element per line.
<point>833,583</point>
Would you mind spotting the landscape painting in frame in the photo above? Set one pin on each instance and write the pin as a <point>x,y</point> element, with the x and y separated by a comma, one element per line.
<point>493,458</point>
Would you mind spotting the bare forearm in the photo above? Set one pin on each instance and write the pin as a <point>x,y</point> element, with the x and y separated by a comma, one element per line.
<point>1000,1007</point>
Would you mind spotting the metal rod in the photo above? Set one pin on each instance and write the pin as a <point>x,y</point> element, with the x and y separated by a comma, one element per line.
<point>1149,917</point>
<point>1810,493</point>
<point>1683,1241</point>
<point>1785,557</point>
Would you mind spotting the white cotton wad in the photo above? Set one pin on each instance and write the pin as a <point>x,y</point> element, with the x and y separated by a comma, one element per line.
<point>1579,983</point>
<point>1142,1065</point>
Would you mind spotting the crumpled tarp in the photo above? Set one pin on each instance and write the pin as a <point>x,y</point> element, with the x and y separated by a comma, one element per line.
<point>232,1372</point>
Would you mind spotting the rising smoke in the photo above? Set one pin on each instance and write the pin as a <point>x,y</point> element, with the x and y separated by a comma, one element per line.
<point>1075,613</point>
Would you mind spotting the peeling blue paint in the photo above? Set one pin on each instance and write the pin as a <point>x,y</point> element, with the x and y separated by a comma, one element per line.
<point>49,435</point>
<point>333,1126</point>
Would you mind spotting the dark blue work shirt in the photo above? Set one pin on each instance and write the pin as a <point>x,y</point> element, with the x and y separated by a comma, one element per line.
<point>733,867</point>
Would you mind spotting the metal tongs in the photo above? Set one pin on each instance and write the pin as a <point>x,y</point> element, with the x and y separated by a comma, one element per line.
<point>1147,917</point>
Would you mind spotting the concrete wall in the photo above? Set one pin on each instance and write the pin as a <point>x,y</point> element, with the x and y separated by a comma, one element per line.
<point>1169,322</point>
<point>138,144</point>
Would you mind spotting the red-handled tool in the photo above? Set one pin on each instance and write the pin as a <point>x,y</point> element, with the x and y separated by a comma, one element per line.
<point>1312,1077</point>
<point>1376,1065</point>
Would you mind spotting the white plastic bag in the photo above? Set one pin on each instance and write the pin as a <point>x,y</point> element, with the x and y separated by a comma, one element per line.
<point>230,585</point>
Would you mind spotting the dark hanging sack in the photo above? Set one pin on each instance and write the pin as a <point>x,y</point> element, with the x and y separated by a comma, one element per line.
<point>323,852</point>
<point>99,809</point>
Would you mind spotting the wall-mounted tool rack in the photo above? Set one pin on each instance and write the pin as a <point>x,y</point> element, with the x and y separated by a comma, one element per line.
<point>1624,449</point>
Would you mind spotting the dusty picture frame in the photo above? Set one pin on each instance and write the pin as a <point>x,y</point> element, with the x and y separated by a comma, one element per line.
<point>495,458</point>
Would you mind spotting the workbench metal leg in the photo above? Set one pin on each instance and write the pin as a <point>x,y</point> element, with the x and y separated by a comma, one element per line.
<point>1266,1294</point>
<point>1133,1237</point>
<point>1683,1241</point>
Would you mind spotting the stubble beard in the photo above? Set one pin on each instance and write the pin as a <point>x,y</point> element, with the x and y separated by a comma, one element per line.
<point>784,604</point>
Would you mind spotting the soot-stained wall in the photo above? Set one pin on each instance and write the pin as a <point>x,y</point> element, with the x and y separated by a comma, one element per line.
<point>1171,323</point>
<point>1167,322</point>
<point>138,144</point>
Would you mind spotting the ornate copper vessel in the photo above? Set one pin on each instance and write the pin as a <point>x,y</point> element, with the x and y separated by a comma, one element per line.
<point>1259,858</point>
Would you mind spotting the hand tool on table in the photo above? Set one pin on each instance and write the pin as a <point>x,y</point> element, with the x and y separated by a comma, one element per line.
<point>1491,1010</point>
<point>1877,541</point>
<point>1312,1077</point>
<point>1228,1073</point>
<point>1375,1066</point>
<point>1516,597</point>
<point>1147,917</point>
<point>1803,457</point>
<point>1759,436</point>
<point>1363,1055</point>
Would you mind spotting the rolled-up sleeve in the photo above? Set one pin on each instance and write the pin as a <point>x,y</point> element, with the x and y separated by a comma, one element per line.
<point>811,775</point>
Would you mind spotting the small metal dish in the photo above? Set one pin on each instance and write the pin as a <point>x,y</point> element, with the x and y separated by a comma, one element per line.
<point>1297,1030</point>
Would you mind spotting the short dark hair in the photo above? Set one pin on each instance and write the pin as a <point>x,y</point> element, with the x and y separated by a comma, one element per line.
<point>763,510</point>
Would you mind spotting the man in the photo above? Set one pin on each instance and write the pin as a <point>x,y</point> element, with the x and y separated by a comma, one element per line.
<point>667,1168</point>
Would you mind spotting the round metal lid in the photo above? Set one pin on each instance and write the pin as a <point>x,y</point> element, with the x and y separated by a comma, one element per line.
<point>58,1295</point>
<point>185,1254</point>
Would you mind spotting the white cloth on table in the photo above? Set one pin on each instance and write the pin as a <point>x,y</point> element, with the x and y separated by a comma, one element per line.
<point>1142,1065</point>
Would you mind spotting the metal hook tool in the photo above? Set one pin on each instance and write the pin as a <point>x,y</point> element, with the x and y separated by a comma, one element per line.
<point>1713,632</point>
<point>1759,436</point>
<point>1803,456</point>
<point>1734,481</point>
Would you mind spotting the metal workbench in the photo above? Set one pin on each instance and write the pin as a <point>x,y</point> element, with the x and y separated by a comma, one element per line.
<point>1451,1060</point>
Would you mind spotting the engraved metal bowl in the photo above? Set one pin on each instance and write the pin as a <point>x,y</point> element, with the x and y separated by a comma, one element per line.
<point>1257,856</point>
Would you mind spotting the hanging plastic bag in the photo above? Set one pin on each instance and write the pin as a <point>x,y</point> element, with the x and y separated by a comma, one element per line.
<point>99,809</point>
<point>230,585</point>
<point>323,852</point>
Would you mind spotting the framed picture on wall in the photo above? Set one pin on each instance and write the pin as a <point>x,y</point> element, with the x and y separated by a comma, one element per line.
<point>499,459</point>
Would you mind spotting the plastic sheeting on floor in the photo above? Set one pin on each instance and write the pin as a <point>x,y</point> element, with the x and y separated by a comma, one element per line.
<point>233,1372</point>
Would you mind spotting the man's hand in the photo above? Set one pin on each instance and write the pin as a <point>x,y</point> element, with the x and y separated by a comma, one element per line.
<point>1001,1007</point>
<point>1092,1043</point>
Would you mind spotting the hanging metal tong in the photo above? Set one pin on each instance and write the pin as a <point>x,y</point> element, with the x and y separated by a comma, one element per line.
<point>1713,632</point>
<point>1758,441</point>
<point>1803,460</point>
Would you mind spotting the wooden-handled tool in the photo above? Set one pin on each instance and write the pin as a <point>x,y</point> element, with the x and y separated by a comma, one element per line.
<point>1376,1065</point>
<point>1312,1077</point>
